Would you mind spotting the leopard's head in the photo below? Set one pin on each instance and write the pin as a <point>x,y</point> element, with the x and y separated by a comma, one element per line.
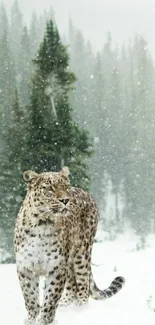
<point>48,192</point>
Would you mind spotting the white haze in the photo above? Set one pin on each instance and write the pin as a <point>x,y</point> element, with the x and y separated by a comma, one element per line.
<point>95,17</point>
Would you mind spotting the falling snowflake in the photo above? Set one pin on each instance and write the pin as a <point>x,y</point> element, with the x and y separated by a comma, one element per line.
<point>96,140</point>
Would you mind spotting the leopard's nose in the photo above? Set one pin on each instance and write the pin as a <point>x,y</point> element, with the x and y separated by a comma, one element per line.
<point>64,201</point>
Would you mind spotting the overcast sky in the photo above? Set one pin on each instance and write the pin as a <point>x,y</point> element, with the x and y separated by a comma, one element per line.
<point>96,17</point>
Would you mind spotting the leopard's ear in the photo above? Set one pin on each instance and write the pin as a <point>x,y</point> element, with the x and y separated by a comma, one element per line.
<point>28,175</point>
<point>65,171</point>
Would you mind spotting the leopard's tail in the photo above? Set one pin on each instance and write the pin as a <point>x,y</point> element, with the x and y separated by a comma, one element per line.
<point>115,286</point>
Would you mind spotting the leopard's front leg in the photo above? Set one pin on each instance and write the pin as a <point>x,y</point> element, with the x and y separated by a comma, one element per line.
<point>82,269</point>
<point>30,288</point>
<point>69,294</point>
<point>53,289</point>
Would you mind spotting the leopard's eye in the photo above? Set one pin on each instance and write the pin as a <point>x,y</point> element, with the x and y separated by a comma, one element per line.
<point>50,192</point>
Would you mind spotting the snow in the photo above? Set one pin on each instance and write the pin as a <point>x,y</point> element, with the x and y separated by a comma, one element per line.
<point>133,305</point>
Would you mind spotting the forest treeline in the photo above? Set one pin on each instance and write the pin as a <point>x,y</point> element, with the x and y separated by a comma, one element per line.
<point>61,103</point>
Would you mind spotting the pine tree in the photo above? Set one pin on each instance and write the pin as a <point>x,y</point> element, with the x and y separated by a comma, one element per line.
<point>7,86</point>
<point>34,37</point>
<point>7,82</point>
<point>53,138</point>
<point>25,62</point>
<point>81,63</point>
<point>139,178</point>
<point>11,180</point>
<point>97,122</point>
<point>4,23</point>
<point>16,22</point>
<point>16,32</point>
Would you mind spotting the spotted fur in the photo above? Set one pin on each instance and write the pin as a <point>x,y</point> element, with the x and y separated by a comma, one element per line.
<point>54,234</point>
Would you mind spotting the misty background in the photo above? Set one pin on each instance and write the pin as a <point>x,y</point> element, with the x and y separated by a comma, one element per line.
<point>93,109</point>
<point>123,18</point>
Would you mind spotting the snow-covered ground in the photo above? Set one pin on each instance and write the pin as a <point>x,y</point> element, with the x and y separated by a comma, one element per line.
<point>131,306</point>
